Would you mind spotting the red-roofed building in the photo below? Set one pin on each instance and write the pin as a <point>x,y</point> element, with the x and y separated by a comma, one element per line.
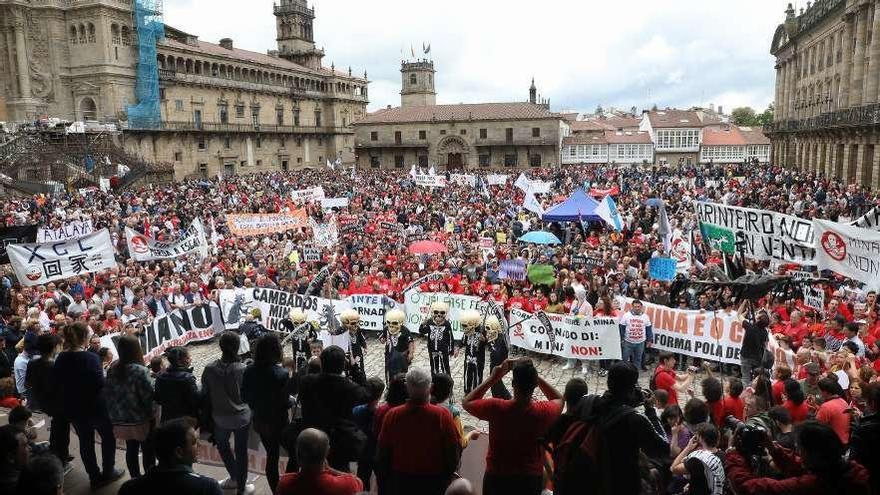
<point>732,144</point>
<point>622,147</point>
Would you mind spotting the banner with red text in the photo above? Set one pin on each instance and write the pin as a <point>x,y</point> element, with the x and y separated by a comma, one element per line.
<point>575,337</point>
<point>712,335</point>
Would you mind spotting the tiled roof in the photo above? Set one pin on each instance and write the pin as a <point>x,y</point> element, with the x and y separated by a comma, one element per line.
<point>754,135</point>
<point>248,56</point>
<point>725,135</point>
<point>666,119</point>
<point>612,123</point>
<point>733,136</point>
<point>627,137</point>
<point>569,117</point>
<point>584,138</point>
<point>459,113</point>
<point>588,126</point>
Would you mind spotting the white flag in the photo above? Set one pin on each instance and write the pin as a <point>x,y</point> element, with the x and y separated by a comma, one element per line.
<point>522,182</point>
<point>530,202</point>
<point>431,171</point>
<point>412,171</point>
<point>607,210</point>
<point>330,165</point>
<point>36,264</point>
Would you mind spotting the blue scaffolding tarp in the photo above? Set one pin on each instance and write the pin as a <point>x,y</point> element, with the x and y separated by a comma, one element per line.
<point>146,114</point>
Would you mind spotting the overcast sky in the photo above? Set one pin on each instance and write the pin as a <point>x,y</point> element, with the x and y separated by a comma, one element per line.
<point>582,53</point>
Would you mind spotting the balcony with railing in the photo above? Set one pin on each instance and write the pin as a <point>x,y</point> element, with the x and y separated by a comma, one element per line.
<point>168,75</point>
<point>517,141</point>
<point>863,116</point>
<point>171,126</point>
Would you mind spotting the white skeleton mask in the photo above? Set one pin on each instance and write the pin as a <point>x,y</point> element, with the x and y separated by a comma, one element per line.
<point>394,320</point>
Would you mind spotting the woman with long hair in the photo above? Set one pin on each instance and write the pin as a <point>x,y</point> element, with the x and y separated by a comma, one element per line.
<point>129,395</point>
<point>795,402</point>
<point>265,388</point>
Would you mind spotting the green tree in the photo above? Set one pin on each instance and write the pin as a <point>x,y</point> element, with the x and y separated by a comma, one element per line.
<point>767,116</point>
<point>744,116</point>
<point>599,110</point>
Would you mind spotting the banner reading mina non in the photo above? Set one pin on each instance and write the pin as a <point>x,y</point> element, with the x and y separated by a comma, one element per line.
<point>575,337</point>
<point>711,335</point>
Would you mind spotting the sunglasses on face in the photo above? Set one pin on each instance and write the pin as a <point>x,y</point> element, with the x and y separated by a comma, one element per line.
<point>439,312</point>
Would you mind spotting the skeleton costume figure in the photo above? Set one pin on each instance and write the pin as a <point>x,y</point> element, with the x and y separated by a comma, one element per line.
<point>497,345</point>
<point>474,343</point>
<point>399,344</point>
<point>440,340</point>
<point>351,321</point>
<point>302,338</point>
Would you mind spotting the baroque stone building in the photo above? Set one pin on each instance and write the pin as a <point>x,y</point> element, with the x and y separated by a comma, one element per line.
<point>455,137</point>
<point>222,109</point>
<point>827,101</point>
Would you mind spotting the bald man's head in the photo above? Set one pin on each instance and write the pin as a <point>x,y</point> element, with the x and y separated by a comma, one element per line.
<point>312,446</point>
<point>460,486</point>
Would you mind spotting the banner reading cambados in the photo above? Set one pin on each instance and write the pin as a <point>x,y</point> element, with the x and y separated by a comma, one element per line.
<point>712,335</point>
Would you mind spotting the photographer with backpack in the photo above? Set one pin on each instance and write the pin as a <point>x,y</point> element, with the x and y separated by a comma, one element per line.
<point>601,451</point>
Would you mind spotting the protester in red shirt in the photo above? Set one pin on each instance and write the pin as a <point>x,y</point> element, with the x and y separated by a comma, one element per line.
<point>781,374</point>
<point>795,402</point>
<point>667,379</point>
<point>733,404</point>
<point>315,477</point>
<point>514,462</point>
<point>418,446</point>
<point>833,409</point>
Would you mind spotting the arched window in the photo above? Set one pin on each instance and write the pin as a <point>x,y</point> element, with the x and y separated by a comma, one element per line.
<point>73,37</point>
<point>87,109</point>
<point>161,60</point>
<point>114,34</point>
<point>412,79</point>
<point>91,33</point>
<point>82,34</point>
<point>126,36</point>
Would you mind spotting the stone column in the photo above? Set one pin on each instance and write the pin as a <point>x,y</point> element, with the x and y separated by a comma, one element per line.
<point>856,91</point>
<point>790,89</point>
<point>777,95</point>
<point>873,91</point>
<point>845,76</point>
<point>10,53</point>
<point>24,73</point>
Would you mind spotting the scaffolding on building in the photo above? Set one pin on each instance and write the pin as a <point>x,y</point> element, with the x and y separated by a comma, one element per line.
<point>146,114</point>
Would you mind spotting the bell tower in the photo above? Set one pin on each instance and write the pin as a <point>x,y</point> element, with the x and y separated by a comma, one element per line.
<point>417,84</point>
<point>295,35</point>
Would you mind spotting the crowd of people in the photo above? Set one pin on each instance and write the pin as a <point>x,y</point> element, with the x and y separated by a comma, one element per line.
<point>805,393</point>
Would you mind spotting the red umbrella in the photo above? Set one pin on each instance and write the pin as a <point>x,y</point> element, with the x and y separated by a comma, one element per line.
<point>426,247</point>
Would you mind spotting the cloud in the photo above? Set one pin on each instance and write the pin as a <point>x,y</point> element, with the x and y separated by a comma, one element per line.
<point>623,54</point>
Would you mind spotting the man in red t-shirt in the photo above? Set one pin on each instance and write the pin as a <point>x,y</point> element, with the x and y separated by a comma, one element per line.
<point>667,379</point>
<point>314,476</point>
<point>833,409</point>
<point>514,462</point>
<point>419,444</point>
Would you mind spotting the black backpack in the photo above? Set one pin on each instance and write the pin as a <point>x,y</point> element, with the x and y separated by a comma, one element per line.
<point>579,457</point>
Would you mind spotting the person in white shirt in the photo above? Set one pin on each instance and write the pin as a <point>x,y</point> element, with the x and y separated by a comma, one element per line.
<point>700,461</point>
<point>580,307</point>
<point>636,333</point>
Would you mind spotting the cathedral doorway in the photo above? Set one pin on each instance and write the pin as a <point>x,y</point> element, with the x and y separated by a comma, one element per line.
<point>454,161</point>
<point>454,151</point>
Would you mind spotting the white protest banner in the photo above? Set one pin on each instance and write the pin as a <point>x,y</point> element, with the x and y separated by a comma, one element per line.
<point>870,220</point>
<point>306,195</point>
<point>574,336</point>
<point>680,250</point>
<point>180,327</point>
<point>327,203</point>
<point>464,179</point>
<point>496,179</point>
<point>36,264</point>
<point>248,224</point>
<point>765,235</point>
<point>848,251</point>
<point>530,203</point>
<point>418,308</point>
<point>814,297</point>
<point>800,274</point>
<point>522,182</point>
<point>540,187</point>
<point>429,180</point>
<point>311,254</point>
<point>325,234</point>
<point>372,308</point>
<point>275,305</point>
<point>712,335</point>
<point>70,230</point>
<point>341,340</point>
<point>145,248</point>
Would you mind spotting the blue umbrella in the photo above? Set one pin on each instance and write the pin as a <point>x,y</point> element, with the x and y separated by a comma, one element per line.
<point>539,237</point>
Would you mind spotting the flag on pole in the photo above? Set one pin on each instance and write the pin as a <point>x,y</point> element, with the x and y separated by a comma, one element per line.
<point>413,51</point>
<point>431,171</point>
<point>583,223</point>
<point>338,162</point>
<point>607,210</point>
<point>522,182</point>
<point>530,202</point>
<point>484,189</point>
<point>330,165</point>
<point>412,171</point>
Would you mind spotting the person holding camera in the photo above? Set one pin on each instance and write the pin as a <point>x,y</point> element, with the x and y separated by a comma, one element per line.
<point>818,467</point>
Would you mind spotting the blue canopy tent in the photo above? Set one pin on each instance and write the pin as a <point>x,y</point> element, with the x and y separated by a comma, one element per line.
<point>578,206</point>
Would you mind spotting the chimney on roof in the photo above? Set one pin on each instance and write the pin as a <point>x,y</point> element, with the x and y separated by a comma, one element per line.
<point>226,43</point>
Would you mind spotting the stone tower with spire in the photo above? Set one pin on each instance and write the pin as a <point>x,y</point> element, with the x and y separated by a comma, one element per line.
<point>294,29</point>
<point>533,93</point>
